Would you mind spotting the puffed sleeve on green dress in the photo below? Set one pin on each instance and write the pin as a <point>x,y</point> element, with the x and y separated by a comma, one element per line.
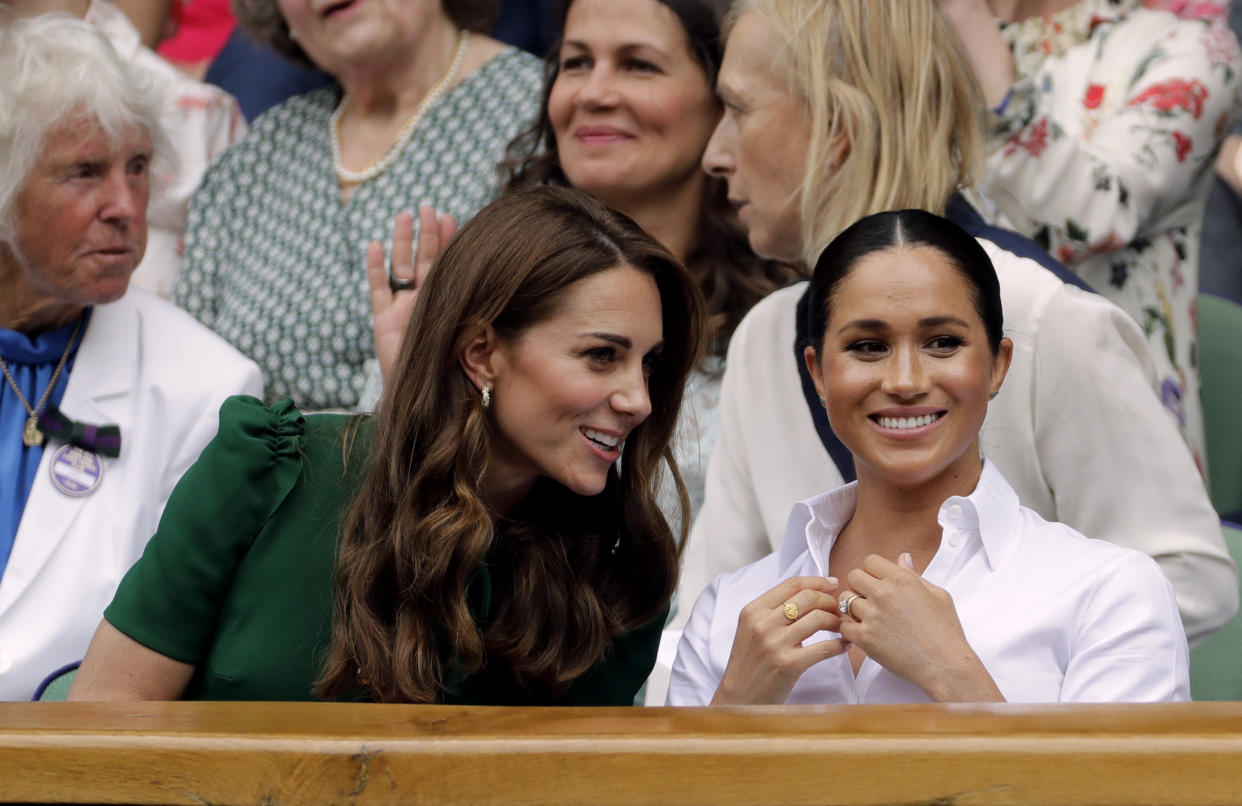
<point>238,578</point>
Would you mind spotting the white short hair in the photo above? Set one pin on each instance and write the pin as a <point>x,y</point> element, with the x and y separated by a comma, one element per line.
<point>54,67</point>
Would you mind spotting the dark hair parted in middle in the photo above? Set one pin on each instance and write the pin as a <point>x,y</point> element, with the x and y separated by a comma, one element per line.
<point>263,22</point>
<point>904,229</point>
<point>731,276</point>
<point>584,570</point>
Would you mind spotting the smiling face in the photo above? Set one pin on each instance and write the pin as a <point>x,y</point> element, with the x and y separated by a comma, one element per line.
<point>631,109</point>
<point>761,143</point>
<point>570,388</point>
<point>337,33</point>
<point>906,368</point>
<point>80,219</point>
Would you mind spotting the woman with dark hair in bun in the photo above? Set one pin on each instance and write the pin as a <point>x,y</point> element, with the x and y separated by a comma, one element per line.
<point>925,579</point>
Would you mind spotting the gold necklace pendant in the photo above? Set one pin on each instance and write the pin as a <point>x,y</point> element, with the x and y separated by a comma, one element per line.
<point>32,437</point>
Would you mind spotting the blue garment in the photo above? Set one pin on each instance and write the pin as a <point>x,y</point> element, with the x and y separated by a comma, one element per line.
<point>1220,267</point>
<point>31,362</point>
<point>531,25</point>
<point>258,77</point>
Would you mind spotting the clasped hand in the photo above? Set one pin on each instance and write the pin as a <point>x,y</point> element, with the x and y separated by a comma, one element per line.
<point>903,622</point>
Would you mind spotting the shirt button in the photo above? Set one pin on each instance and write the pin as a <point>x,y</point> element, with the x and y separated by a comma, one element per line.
<point>6,662</point>
<point>955,511</point>
<point>955,539</point>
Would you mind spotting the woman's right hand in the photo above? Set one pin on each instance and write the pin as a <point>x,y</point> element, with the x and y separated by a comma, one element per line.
<point>391,309</point>
<point>768,656</point>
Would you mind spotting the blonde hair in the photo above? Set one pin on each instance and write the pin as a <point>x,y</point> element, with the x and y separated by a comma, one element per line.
<point>890,81</point>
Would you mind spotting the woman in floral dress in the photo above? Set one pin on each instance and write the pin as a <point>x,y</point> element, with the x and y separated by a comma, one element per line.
<point>1105,120</point>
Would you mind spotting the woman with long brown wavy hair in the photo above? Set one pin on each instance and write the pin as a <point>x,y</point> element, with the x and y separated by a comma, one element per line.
<point>490,535</point>
<point>627,110</point>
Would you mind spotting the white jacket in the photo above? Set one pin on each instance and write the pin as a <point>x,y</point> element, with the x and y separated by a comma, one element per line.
<point>150,368</point>
<point>1077,430</point>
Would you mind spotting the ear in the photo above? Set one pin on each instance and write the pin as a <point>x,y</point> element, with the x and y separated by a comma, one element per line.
<point>838,152</point>
<point>481,357</point>
<point>1000,365</point>
<point>812,366</point>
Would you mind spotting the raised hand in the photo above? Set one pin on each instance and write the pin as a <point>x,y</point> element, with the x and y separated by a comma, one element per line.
<point>393,297</point>
<point>768,656</point>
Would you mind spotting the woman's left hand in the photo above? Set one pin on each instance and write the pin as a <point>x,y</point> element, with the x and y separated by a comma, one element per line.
<point>910,627</point>
<point>391,306</point>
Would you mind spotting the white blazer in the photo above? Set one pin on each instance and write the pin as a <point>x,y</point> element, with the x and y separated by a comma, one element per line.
<point>150,368</point>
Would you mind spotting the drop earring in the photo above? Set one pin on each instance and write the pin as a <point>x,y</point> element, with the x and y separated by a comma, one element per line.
<point>487,395</point>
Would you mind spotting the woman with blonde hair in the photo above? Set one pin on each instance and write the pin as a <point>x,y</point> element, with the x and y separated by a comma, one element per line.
<point>819,131</point>
<point>490,535</point>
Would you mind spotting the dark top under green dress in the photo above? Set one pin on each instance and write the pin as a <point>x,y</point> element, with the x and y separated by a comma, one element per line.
<point>238,579</point>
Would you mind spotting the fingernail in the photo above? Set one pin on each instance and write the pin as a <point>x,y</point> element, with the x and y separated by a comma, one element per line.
<point>906,561</point>
<point>833,581</point>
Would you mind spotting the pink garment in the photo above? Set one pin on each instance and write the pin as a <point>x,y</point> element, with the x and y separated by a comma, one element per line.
<point>1189,9</point>
<point>201,27</point>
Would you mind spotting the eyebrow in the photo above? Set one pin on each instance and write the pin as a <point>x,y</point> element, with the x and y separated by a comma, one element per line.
<point>625,48</point>
<point>611,338</point>
<point>879,324</point>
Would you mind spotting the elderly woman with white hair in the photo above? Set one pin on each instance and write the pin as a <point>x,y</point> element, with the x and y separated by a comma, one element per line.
<point>108,393</point>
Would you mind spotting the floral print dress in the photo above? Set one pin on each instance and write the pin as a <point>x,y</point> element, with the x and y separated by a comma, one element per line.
<point>1102,152</point>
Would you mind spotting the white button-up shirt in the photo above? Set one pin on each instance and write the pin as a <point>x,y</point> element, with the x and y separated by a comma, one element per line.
<point>1054,616</point>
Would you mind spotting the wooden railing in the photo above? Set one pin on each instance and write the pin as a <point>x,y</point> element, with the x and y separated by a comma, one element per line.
<point>278,753</point>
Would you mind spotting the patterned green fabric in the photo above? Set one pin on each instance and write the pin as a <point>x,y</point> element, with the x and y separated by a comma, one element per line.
<point>274,260</point>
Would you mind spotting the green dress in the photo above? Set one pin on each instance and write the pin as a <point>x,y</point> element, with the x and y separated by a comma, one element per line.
<point>238,578</point>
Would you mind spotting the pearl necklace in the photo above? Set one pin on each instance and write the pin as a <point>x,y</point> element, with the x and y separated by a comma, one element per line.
<point>348,177</point>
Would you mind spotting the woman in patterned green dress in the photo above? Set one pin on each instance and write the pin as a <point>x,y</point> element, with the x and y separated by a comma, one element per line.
<point>422,111</point>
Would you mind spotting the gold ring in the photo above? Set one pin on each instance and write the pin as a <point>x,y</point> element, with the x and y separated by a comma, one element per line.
<point>846,601</point>
<point>791,611</point>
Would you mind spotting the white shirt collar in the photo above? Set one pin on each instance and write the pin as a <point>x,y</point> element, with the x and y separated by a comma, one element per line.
<point>990,512</point>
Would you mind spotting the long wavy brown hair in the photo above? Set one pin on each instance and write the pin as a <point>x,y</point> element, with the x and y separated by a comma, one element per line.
<point>730,275</point>
<point>580,571</point>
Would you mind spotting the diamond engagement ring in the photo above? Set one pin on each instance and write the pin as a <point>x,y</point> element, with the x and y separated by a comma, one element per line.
<point>846,601</point>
